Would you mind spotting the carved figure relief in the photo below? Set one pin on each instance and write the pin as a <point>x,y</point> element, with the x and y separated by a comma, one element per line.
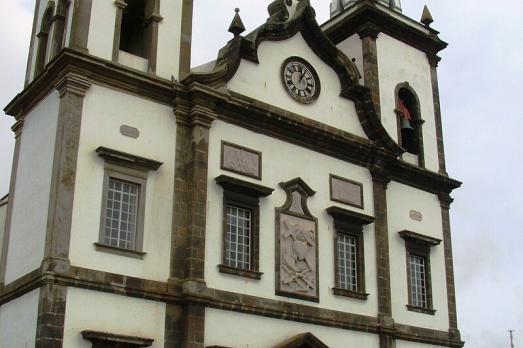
<point>297,244</point>
<point>241,160</point>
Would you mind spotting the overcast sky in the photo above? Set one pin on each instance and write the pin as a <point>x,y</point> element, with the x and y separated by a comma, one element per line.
<point>481,77</point>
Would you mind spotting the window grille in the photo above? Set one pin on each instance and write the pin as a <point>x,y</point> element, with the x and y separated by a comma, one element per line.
<point>348,262</point>
<point>238,238</point>
<point>418,278</point>
<point>121,214</point>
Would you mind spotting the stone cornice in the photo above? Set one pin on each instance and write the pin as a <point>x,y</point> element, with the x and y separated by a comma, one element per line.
<point>198,292</point>
<point>73,83</point>
<point>368,13</point>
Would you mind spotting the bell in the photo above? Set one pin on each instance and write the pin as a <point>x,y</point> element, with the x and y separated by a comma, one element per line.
<point>405,124</point>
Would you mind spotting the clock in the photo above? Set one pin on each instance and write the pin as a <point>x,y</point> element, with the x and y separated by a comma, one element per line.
<point>300,80</point>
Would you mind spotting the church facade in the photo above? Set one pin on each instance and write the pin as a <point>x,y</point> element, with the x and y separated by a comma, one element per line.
<point>291,193</point>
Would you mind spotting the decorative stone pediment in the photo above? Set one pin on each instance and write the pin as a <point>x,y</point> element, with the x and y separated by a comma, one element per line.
<point>306,340</point>
<point>297,244</point>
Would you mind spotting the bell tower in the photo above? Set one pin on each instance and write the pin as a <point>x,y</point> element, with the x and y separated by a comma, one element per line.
<point>151,36</point>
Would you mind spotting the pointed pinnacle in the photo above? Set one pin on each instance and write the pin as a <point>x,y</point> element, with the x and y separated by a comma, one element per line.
<point>426,17</point>
<point>237,26</point>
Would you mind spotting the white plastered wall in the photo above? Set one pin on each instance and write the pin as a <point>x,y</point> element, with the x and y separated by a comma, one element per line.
<point>352,48</point>
<point>3,213</point>
<point>226,329</point>
<point>18,321</point>
<point>283,162</point>
<point>399,63</point>
<point>101,29</point>
<point>105,110</point>
<point>401,199</point>
<point>33,184</point>
<point>169,36</point>
<point>117,314</point>
<point>263,82</point>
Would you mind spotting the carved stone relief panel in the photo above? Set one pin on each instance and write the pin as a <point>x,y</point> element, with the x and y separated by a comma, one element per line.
<point>241,160</point>
<point>297,244</point>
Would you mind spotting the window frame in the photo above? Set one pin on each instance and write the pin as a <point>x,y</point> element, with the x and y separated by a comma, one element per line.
<point>135,177</point>
<point>132,169</point>
<point>350,223</point>
<point>419,245</point>
<point>244,195</point>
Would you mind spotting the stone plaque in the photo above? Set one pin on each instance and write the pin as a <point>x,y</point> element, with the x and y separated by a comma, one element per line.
<point>416,215</point>
<point>297,255</point>
<point>129,131</point>
<point>346,191</point>
<point>297,245</point>
<point>241,160</point>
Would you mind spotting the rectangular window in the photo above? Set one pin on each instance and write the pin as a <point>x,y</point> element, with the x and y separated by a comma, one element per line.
<point>349,252</point>
<point>348,262</point>
<point>121,214</point>
<point>418,280</point>
<point>241,227</point>
<point>238,238</point>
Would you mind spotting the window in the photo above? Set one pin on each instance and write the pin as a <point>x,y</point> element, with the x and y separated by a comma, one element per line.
<point>238,237</point>
<point>349,256</point>
<point>110,340</point>
<point>43,38</point>
<point>121,213</point>
<point>418,271</point>
<point>136,33</point>
<point>241,226</point>
<point>123,202</point>
<point>410,133</point>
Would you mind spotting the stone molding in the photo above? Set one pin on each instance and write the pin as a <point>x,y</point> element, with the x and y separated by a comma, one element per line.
<point>198,293</point>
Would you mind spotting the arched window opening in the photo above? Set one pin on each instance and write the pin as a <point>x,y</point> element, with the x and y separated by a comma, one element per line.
<point>59,27</point>
<point>133,31</point>
<point>410,135</point>
<point>43,37</point>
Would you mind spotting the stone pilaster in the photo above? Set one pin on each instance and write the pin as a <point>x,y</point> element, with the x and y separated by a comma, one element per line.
<point>80,25</point>
<point>368,34</point>
<point>445,202</point>
<point>433,60</point>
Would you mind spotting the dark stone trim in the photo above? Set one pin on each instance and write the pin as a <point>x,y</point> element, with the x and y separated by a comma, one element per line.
<point>331,177</point>
<point>120,7</point>
<point>445,202</point>
<point>422,310</point>
<point>349,293</point>
<point>438,120</point>
<point>119,251</point>
<point>59,27</point>
<point>247,273</point>
<point>348,219</point>
<point>368,12</point>
<point>43,38</point>
<point>105,340</point>
<point>244,187</point>
<point>368,34</point>
<point>306,340</point>
<point>127,159</point>
<point>258,153</point>
<point>419,239</point>
<point>51,316</point>
<point>198,293</point>
<point>80,25</point>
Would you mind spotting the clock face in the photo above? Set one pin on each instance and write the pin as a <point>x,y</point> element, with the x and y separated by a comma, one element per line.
<point>301,80</point>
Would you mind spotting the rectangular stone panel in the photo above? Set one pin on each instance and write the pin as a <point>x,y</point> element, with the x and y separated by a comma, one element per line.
<point>241,160</point>
<point>346,191</point>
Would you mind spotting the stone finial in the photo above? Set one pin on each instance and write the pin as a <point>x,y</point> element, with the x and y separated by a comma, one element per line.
<point>236,27</point>
<point>426,17</point>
